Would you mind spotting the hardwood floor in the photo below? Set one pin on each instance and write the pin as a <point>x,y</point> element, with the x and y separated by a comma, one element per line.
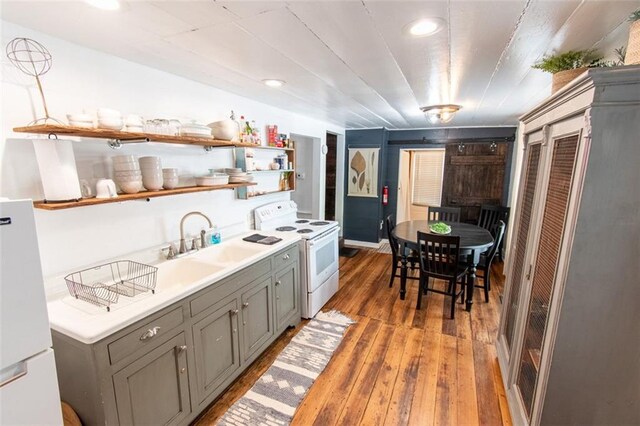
<point>397,365</point>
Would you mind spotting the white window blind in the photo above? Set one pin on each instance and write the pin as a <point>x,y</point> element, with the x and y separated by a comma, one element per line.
<point>427,171</point>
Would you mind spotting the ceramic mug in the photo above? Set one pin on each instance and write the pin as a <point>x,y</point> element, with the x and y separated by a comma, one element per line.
<point>106,188</point>
<point>86,189</point>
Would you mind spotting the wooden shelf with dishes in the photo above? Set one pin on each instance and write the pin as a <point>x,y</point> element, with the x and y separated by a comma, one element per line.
<point>248,161</point>
<point>146,195</point>
<point>127,137</point>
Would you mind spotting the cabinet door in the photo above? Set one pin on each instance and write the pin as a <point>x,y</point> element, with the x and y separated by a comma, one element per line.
<point>154,390</point>
<point>257,316</point>
<point>216,347</point>
<point>521,238</point>
<point>287,295</point>
<point>552,228</point>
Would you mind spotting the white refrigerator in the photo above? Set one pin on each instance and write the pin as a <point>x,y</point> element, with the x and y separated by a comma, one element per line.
<point>29,392</point>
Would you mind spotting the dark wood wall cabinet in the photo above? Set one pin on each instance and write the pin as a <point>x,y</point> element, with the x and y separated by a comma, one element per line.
<point>568,338</point>
<point>202,344</point>
<point>474,174</point>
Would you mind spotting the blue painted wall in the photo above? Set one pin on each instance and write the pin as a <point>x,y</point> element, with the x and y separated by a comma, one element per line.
<point>362,216</point>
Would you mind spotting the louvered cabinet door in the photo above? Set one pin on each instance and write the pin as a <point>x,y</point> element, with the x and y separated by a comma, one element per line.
<point>521,237</point>
<point>547,254</point>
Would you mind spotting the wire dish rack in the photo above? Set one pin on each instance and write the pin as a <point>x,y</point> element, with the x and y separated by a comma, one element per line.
<point>102,285</point>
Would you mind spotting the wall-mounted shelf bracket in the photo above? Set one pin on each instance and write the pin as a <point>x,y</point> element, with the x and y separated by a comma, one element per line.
<point>114,143</point>
<point>207,148</point>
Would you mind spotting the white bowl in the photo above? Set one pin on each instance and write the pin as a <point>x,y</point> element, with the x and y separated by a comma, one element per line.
<point>224,130</point>
<point>169,172</point>
<point>212,180</point>
<point>149,160</point>
<point>81,117</point>
<point>85,124</point>
<point>108,113</point>
<point>152,183</point>
<point>110,124</point>
<point>170,183</point>
<point>130,187</point>
<point>123,159</point>
<point>126,167</point>
<point>125,173</point>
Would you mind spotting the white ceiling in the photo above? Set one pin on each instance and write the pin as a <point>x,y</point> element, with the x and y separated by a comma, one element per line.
<point>348,62</point>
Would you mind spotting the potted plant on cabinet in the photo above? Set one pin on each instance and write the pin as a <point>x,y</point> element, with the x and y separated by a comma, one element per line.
<point>567,66</point>
<point>633,46</point>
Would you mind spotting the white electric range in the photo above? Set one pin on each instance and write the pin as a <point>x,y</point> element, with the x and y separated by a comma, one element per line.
<point>319,258</point>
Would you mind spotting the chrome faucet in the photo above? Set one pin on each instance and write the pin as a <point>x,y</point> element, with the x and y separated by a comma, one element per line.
<point>183,244</point>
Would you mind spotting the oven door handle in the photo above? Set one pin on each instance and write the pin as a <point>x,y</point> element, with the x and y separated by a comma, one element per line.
<point>325,237</point>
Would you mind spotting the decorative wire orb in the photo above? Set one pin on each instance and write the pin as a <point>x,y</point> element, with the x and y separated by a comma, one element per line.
<point>29,56</point>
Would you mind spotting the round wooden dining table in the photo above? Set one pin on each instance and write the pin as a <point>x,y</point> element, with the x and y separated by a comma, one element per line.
<point>474,240</point>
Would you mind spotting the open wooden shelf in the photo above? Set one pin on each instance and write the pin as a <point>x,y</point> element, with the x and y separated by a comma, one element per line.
<point>127,137</point>
<point>139,196</point>
<point>268,193</point>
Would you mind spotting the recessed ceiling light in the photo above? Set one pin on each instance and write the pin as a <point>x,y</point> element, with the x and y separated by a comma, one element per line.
<point>424,27</point>
<point>105,4</point>
<point>273,83</point>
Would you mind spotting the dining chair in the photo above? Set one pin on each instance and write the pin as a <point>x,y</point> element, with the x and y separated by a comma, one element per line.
<point>439,257</point>
<point>486,259</point>
<point>489,217</point>
<point>445,214</point>
<point>396,259</point>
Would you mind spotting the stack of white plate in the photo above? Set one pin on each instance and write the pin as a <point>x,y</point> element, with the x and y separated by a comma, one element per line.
<point>195,130</point>
<point>169,178</point>
<point>242,177</point>
<point>151,173</point>
<point>80,120</point>
<point>127,173</point>
<point>110,119</point>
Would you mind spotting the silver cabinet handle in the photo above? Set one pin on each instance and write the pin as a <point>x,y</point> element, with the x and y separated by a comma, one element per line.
<point>245,304</point>
<point>182,348</point>
<point>286,256</point>
<point>233,312</point>
<point>150,333</point>
<point>278,282</point>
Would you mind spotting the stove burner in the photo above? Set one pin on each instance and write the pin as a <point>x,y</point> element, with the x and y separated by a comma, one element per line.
<point>319,223</point>
<point>304,231</point>
<point>302,221</point>
<point>286,228</point>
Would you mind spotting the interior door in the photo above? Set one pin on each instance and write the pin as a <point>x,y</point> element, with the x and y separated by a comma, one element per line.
<point>330,177</point>
<point>474,175</point>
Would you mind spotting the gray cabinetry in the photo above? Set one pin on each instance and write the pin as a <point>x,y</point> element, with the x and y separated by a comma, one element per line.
<point>287,296</point>
<point>257,316</point>
<point>216,348</point>
<point>168,367</point>
<point>154,390</point>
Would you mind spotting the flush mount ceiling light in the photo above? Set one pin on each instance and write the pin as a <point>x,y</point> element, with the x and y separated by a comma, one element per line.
<point>273,82</point>
<point>424,27</point>
<point>105,4</point>
<point>440,113</point>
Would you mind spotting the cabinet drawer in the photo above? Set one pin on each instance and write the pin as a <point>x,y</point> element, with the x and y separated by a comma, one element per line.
<point>285,257</point>
<point>224,288</point>
<point>145,335</point>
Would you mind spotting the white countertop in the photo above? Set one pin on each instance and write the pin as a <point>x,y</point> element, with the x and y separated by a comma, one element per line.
<point>88,323</point>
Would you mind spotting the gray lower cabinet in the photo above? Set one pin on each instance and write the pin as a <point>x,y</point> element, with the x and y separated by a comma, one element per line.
<point>154,390</point>
<point>287,296</point>
<point>257,316</point>
<point>167,368</point>
<point>216,346</point>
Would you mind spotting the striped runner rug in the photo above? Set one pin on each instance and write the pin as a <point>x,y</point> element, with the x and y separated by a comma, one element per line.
<point>274,398</point>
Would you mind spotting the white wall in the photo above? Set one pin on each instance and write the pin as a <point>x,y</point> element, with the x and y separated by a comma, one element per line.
<point>86,79</point>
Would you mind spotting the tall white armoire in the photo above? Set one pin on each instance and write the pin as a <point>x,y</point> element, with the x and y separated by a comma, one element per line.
<point>569,336</point>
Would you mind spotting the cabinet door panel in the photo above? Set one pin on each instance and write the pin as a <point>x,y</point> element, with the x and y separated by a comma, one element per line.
<point>521,237</point>
<point>154,390</point>
<point>216,346</point>
<point>546,263</point>
<point>287,296</point>
<point>257,317</point>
